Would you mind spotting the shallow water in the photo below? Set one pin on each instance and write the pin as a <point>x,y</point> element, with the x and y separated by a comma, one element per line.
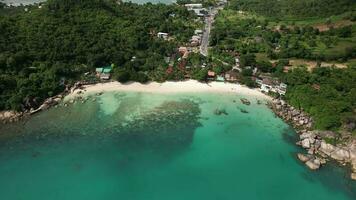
<point>154,146</point>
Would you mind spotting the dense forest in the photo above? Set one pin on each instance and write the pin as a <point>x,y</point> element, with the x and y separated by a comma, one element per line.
<point>327,94</point>
<point>295,8</point>
<point>40,47</point>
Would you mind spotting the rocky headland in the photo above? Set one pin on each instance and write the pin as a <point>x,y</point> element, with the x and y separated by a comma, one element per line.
<point>320,146</point>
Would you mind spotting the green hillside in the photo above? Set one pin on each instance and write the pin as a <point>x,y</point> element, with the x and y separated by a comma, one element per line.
<point>295,8</point>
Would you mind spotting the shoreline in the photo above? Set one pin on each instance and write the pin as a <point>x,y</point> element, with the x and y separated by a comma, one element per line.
<point>80,90</point>
<point>169,87</point>
<point>317,144</point>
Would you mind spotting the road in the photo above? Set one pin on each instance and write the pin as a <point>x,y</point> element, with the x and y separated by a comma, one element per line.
<point>209,19</point>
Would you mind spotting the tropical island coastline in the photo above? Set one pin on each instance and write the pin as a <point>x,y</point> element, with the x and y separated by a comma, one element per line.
<point>245,48</point>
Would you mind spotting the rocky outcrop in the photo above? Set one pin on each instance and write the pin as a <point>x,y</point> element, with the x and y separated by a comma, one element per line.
<point>318,149</point>
<point>297,118</point>
<point>304,158</point>
<point>317,143</point>
<point>52,101</point>
<point>313,164</point>
<point>10,116</point>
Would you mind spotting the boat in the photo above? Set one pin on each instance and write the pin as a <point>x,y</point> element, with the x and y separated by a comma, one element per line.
<point>245,101</point>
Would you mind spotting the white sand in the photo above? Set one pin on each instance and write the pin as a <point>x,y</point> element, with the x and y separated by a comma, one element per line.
<point>171,87</point>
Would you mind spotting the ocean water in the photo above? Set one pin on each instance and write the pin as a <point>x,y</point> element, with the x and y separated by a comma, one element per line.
<point>143,146</point>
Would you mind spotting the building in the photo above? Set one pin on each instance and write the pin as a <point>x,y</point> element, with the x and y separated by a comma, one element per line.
<point>268,84</point>
<point>231,76</point>
<point>198,32</point>
<point>220,78</point>
<point>192,6</point>
<point>104,72</point>
<point>162,35</point>
<point>211,75</point>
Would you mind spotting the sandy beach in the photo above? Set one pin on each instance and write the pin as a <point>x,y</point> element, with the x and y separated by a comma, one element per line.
<point>169,87</point>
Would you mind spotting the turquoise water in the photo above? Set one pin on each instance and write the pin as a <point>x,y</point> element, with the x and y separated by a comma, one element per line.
<point>154,146</point>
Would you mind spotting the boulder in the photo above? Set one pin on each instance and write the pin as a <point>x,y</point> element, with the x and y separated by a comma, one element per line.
<point>317,143</point>
<point>322,161</point>
<point>306,143</point>
<point>311,151</point>
<point>301,122</point>
<point>353,176</point>
<point>326,148</point>
<point>304,158</point>
<point>313,164</point>
<point>308,134</point>
<point>340,154</point>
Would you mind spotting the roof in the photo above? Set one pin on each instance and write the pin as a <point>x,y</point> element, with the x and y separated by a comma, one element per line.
<point>211,73</point>
<point>99,69</point>
<point>107,70</point>
<point>220,78</point>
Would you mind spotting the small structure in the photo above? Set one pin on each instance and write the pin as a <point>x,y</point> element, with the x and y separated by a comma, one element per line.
<point>192,6</point>
<point>269,84</point>
<point>103,72</point>
<point>198,32</point>
<point>211,75</point>
<point>162,35</point>
<point>220,78</point>
<point>231,76</point>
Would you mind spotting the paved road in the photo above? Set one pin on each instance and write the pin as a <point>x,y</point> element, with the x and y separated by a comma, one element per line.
<point>205,39</point>
<point>206,35</point>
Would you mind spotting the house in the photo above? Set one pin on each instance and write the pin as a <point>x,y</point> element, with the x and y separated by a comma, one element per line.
<point>192,6</point>
<point>162,35</point>
<point>281,89</point>
<point>231,76</point>
<point>198,32</point>
<point>211,75</point>
<point>220,78</point>
<point>269,84</point>
<point>104,72</point>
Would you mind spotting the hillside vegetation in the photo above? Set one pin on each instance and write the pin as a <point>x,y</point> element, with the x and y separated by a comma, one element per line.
<point>295,8</point>
<point>66,38</point>
<point>266,40</point>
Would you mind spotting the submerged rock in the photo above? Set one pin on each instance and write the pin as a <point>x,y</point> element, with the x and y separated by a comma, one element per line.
<point>313,164</point>
<point>245,101</point>
<point>353,176</point>
<point>304,158</point>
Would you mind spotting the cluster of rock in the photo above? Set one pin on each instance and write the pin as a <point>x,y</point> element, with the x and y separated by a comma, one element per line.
<point>10,116</point>
<point>297,118</point>
<point>319,150</point>
<point>52,101</point>
<point>32,105</point>
<point>315,142</point>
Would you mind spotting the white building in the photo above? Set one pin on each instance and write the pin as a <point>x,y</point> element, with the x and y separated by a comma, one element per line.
<point>162,35</point>
<point>192,6</point>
